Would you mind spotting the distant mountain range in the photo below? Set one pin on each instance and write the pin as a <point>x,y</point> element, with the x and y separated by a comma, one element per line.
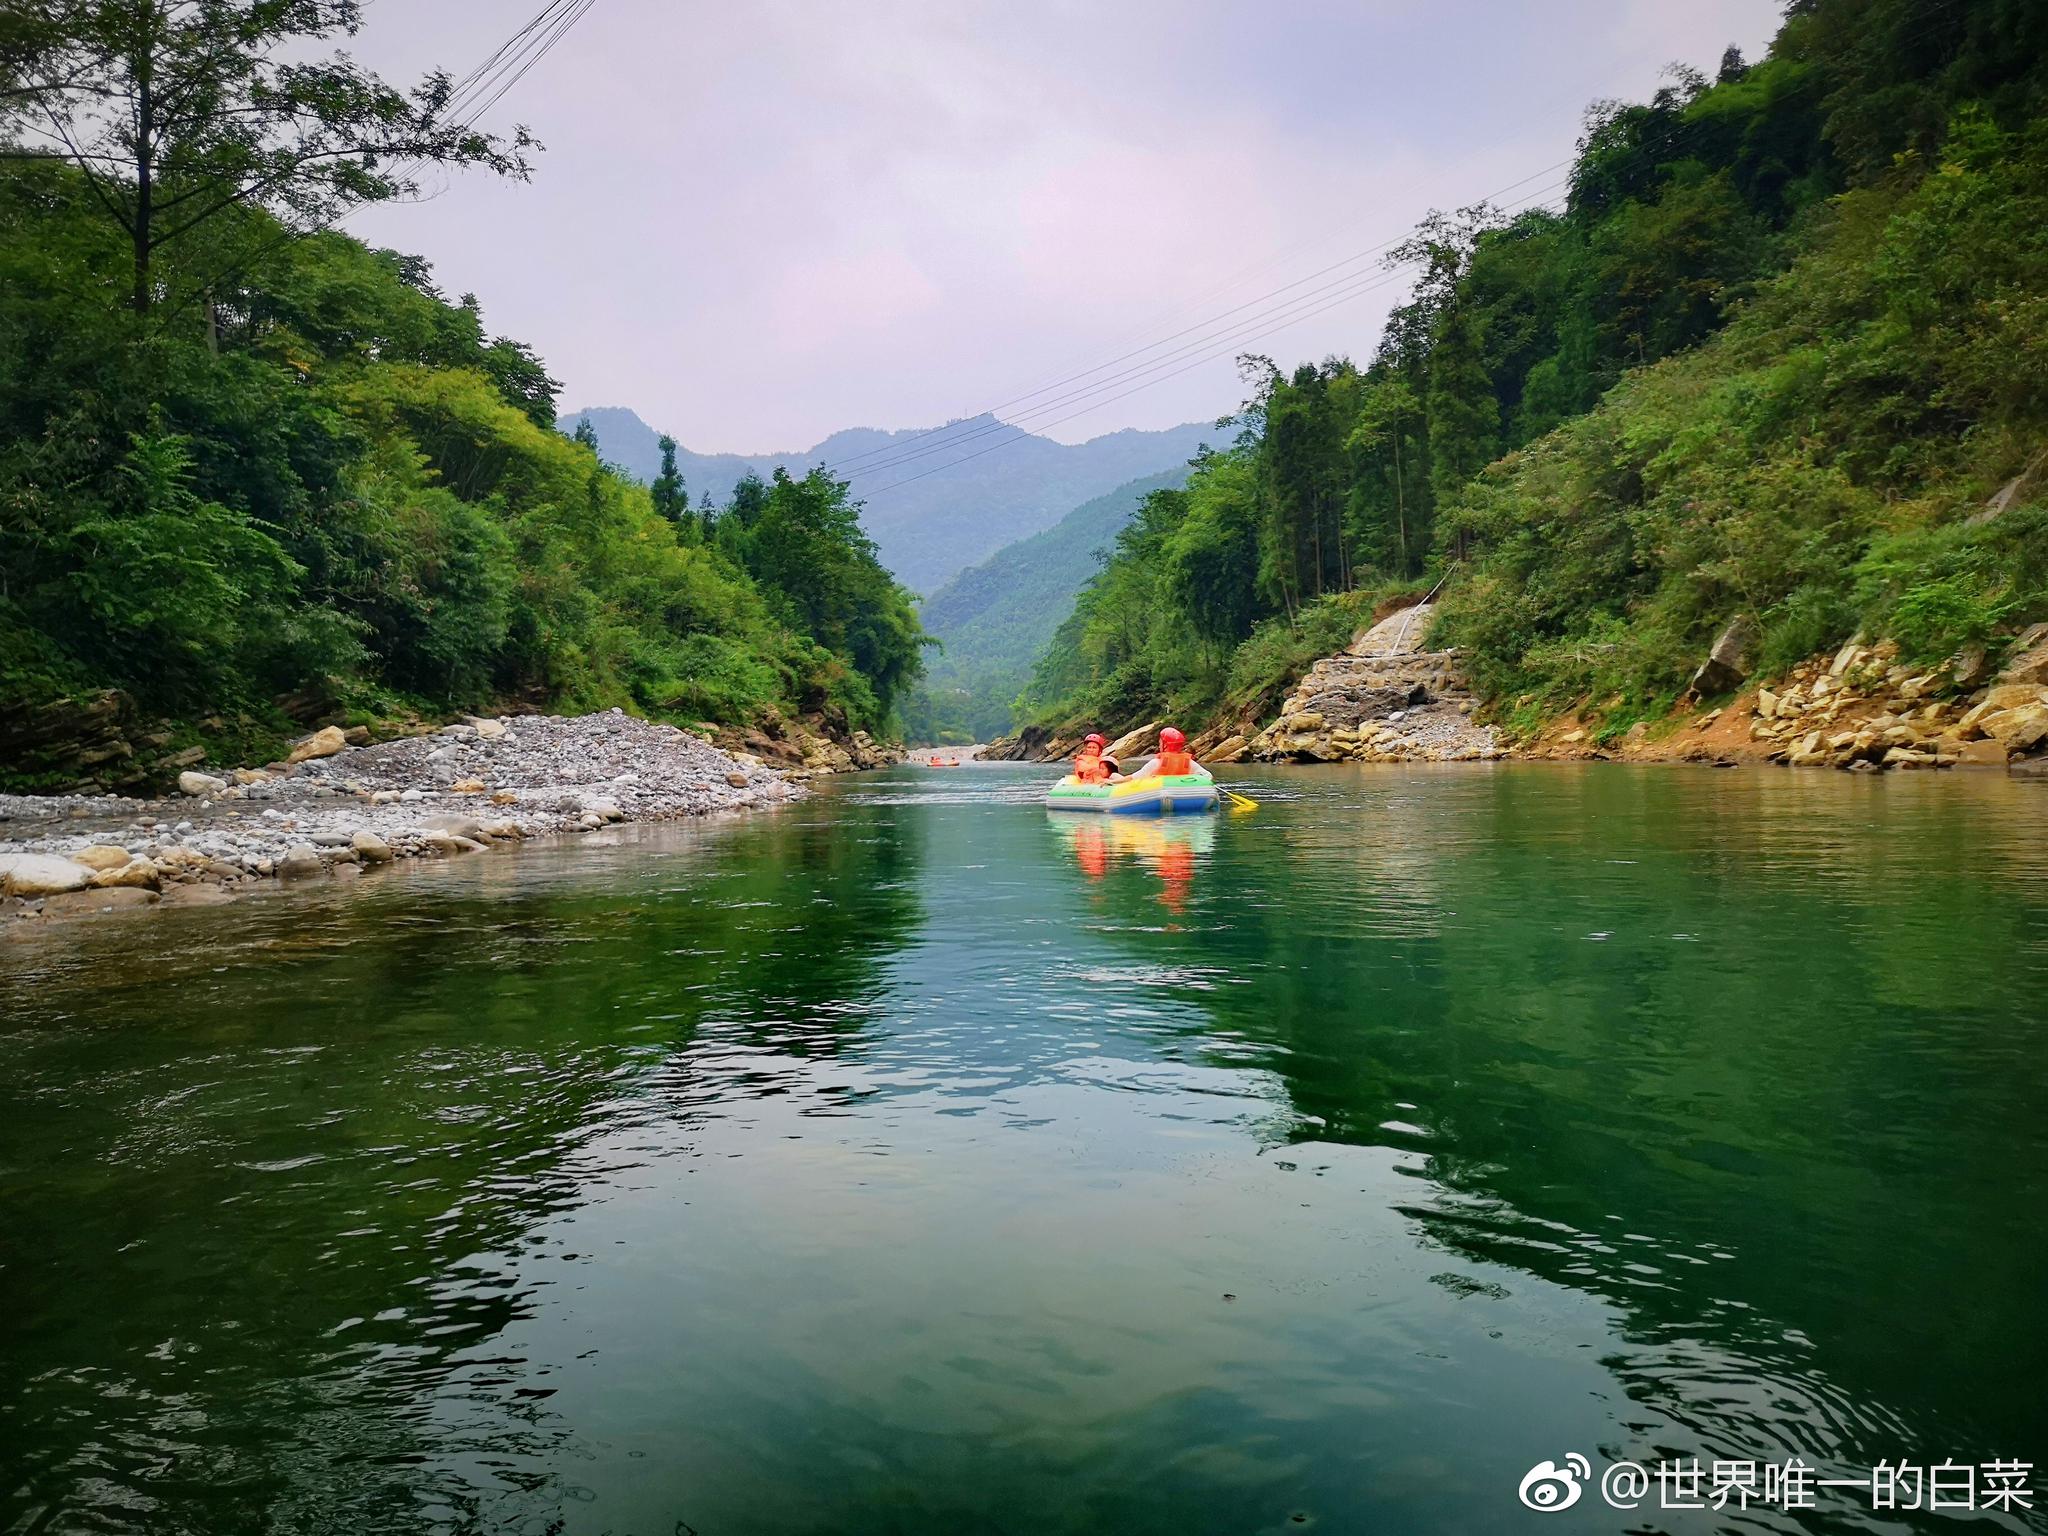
<point>993,619</point>
<point>957,511</point>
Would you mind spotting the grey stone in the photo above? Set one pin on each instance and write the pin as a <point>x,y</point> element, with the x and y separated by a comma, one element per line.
<point>1728,662</point>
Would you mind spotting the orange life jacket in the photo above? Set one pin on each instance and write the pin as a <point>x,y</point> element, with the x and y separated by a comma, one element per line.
<point>1175,763</point>
<point>1088,767</point>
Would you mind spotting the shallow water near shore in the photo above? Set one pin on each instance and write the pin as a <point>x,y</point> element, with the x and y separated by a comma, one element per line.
<point>913,1160</point>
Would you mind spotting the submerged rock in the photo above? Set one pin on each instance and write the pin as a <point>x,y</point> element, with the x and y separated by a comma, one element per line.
<point>70,903</point>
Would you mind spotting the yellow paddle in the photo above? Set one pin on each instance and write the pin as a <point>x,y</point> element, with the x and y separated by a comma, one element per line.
<point>1241,802</point>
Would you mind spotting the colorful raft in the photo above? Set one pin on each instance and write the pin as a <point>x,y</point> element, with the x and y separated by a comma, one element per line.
<point>1167,795</point>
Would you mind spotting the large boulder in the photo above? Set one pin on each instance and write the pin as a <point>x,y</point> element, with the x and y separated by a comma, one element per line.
<point>299,860</point>
<point>1142,742</point>
<point>2029,660</point>
<point>2012,696</point>
<point>322,743</point>
<point>1728,663</point>
<point>41,874</point>
<point>1400,633</point>
<point>371,848</point>
<point>136,874</point>
<point>1231,750</point>
<point>101,856</point>
<point>2020,730</point>
<point>191,782</point>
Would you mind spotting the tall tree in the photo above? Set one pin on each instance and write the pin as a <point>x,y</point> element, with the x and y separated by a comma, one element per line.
<point>180,111</point>
<point>1464,417</point>
<point>671,499</point>
<point>1389,419</point>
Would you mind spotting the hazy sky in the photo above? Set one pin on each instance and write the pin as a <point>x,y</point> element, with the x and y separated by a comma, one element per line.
<point>759,221</point>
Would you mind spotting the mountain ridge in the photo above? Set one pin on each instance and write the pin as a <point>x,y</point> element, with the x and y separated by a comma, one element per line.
<point>993,619</point>
<point>934,515</point>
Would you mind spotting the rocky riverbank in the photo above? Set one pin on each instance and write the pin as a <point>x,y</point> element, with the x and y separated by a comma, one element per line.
<point>1388,699</point>
<point>1383,699</point>
<point>335,807</point>
<point>1858,709</point>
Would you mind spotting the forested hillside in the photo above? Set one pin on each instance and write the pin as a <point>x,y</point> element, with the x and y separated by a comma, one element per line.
<point>1785,335</point>
<point>248,465</point>
<point>992,620</point>
<point>935,501</point>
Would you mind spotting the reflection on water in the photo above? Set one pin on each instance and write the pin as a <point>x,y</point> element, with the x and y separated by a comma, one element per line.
<point>911,1160</point>
<point>1171,847</point>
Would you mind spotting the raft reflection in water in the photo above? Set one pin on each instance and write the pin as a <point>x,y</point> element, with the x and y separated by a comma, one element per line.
<point>1171,847</point>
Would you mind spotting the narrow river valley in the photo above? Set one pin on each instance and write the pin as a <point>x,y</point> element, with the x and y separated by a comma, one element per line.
<point>911,1159</point>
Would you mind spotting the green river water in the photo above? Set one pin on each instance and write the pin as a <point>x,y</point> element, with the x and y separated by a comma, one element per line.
<point>912,1161</point>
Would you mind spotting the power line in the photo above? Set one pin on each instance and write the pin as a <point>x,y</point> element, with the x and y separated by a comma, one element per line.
<point>1253,328</point>
<point>1348,261</point>
<point>897,457</point>
<point>480,89</point>
<point>1307,314</point>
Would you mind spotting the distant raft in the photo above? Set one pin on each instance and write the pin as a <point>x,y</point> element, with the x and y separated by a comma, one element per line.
<point>1166,795</point>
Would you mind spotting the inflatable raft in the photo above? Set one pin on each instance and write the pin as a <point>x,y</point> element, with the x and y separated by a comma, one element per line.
<point>1168,795</point>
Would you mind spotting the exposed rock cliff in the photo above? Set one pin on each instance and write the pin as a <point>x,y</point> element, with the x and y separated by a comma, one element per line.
<point>1383,699</point>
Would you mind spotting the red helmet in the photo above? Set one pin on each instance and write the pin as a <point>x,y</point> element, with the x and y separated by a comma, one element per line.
<point>1171,740</point>
<point>1096,741</point>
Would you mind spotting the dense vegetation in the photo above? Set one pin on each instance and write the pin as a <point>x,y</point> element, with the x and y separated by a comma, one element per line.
<point>992,620</point>
<point>272,463</point>
<point>1787,330</point>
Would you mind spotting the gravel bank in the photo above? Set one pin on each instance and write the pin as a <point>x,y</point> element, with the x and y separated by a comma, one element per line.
<point>457,791</point>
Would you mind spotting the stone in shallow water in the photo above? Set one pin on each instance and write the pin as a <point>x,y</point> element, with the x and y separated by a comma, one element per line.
<point>137,874</point>
<point>41,874</point>
<point>74,903</point>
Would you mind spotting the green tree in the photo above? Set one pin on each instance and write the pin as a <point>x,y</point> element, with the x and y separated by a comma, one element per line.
<point>1386,436</point>
<point>178,112</point>
<point>671,498</point>
<point>1464,417</point>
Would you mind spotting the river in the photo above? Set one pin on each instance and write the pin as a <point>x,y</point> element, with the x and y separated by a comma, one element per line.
<point>910,1160</point>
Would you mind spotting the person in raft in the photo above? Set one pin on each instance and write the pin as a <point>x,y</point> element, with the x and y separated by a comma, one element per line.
<point>1173,757</point>
<point>1093,764</point>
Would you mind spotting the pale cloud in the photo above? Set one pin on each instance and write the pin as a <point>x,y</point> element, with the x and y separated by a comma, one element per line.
<point>757,223</point>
